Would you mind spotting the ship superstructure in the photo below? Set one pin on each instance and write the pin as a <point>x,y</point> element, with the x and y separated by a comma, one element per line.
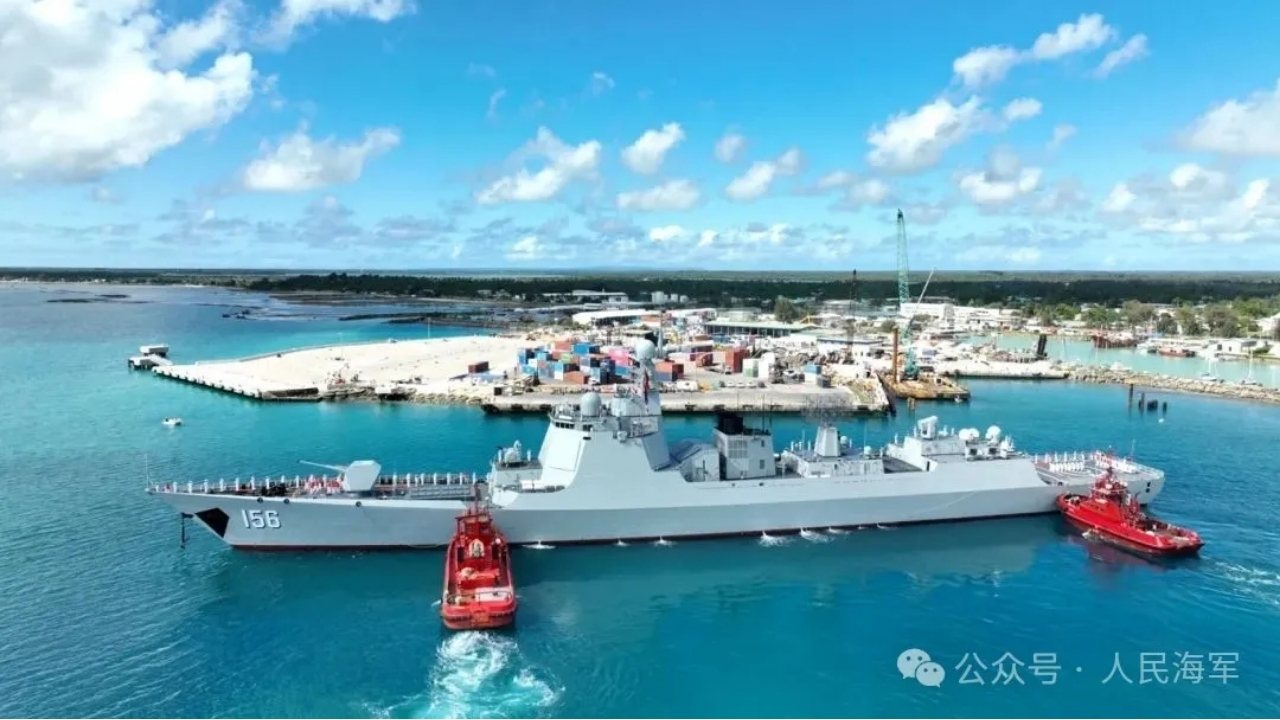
<point>605,472</point>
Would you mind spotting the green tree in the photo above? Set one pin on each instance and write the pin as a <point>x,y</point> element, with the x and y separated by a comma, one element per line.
<point>1137,313</point>
<point>1222,321</point>
<point>1189,322</point>
<point>887,326</point>
<point>1166,325</point>
<point>785,310</point>
<point>1099,317</point>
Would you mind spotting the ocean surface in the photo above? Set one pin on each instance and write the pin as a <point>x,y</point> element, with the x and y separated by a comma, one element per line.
<point>102,614</point>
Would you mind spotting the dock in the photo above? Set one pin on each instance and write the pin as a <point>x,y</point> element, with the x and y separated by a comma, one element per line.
<point>783,399</point>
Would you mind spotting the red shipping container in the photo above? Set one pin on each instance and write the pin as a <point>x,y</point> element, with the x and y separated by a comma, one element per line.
<point>575,377</point>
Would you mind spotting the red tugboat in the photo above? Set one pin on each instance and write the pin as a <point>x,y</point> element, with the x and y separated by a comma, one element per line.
<point>1118,519</point>
<point>479,592</point>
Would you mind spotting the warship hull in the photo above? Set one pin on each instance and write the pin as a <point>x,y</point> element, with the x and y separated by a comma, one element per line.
<point>985,490</point>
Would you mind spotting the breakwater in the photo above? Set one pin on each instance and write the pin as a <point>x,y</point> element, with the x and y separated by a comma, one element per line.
<point>1173,383</point>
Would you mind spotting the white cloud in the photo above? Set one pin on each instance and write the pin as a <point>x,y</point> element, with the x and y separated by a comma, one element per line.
<point>910,142</point>
<point>838,178</point>
<point>1119,199</point>
<point>986,189</point>
<point>729,147</point>
<point>1025,256</point>
<point>1196,204</point>
<point>299,163</point>
<point>1192,179</point>
<point>989,65</point>
<point>1249,127</point>
<point>1089,32</point>
<point>985,65</point>
<point>83,91</point>
<point>295,14</point>
<point>1003,181</point>
<point>563,164</point>
<point>494,99</point>
<point>667,233</point>
<point>646,154</point>
<point>1134,49</point>
<point>1022,109</point>
<point>671,195</point>
<point>480,70</point>
<point>526,249</point>
<point>707,238</point>
<point>868,192</point>
<point>755,182</point>
<point>189,40</point>
<point>600,83</point>
<point>1061,134</point>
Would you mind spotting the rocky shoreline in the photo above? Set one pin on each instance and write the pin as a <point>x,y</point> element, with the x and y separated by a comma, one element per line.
<point>1173,383</point>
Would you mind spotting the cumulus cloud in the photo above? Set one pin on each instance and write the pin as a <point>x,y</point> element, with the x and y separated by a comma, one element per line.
<point>526,249</point>
<point>730,146</point>
<point>1022,109</point>
<point>1196,204</point>
<point>985,65</point>
<point>1003,181</point>
<point>296,14</point>
<point>910,142</point>
<point>188,40</point>
<point>667,233</point>
<point>671,195</point>
<point>1089,32</point>
<point>299,163</point>
<point>756,181</point>
<point>646,154</point>
<point>563,164</point>
<point>86,88</point>
<point>990,64</point>
<point>1134,49</point>
<point>1247,128</point>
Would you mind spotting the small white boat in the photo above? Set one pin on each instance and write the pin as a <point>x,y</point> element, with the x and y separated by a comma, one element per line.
<point>1210,377</point>
<point>172,421</point>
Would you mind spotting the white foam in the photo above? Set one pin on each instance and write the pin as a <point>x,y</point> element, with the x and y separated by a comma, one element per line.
<point>836,531</point>
<point>768,540</point>
<point>663,542</point>
<point>479,674</point>
<point>814,537</point>
<point>540,546</point>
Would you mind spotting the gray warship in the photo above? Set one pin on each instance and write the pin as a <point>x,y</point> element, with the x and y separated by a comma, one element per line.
<point>605,472</point>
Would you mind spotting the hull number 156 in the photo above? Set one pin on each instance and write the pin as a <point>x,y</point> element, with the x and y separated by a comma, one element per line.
<point>257,519</point>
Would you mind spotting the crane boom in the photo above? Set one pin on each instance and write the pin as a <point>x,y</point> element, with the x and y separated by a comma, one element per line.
<point>904,297</point>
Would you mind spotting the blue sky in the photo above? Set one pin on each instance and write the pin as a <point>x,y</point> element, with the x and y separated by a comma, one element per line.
<point>404,134</point>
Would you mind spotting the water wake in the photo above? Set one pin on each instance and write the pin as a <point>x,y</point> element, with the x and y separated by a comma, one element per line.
<point>540,546</point>
<point>663,542</point>
<point>814,537</point>
<point>479,674</point>
<point>836,531</point>
<point>767,540</point>
<point>1258,582</point>
<point>620,543</point>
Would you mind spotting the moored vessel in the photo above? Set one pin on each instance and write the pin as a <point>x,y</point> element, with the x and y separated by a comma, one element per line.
<point>479,589</point>
<point>605,472</point>
<point>1116,517</point>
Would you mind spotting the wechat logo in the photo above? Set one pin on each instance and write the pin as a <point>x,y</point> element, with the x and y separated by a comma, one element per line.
<point>915,663</point>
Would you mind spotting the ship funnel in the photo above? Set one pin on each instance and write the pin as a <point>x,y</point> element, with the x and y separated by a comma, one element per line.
<point>827,444</point>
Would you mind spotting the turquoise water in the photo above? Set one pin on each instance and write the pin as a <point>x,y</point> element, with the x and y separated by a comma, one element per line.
<point>1082,351</point>
<point>101,613</point>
